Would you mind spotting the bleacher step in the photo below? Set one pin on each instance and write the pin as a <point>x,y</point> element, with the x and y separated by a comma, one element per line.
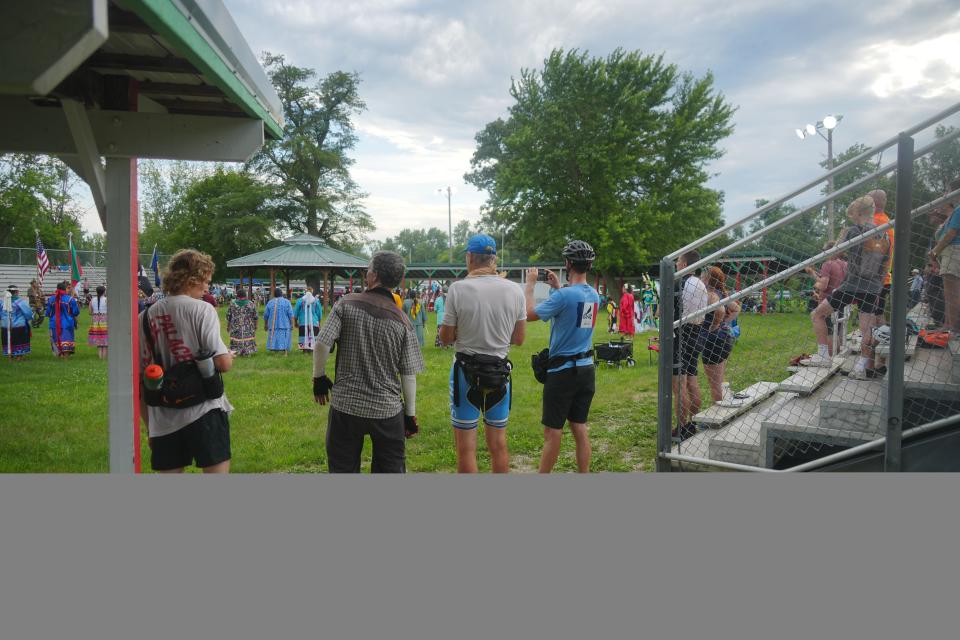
<point>934,374</point>
<point>883,350</point>
<point>740,441</point>
<point>717,415</point>
<point>806,380</point>
<point>799,421</point>
<point>853,405</point>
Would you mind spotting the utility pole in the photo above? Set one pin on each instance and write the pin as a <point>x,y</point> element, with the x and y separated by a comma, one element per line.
<point>450,223</point>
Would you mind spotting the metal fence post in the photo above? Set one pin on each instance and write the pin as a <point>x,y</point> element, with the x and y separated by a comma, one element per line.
<point>665,364</point>
<point>900,291</point>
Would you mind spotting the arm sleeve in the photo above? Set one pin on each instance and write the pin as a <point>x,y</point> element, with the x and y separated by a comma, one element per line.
<point>320,354</point>
<point>409,385</point>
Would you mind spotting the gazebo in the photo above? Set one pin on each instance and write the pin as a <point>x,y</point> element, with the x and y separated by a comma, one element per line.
<point>299,253</point>
<point>88,80</point>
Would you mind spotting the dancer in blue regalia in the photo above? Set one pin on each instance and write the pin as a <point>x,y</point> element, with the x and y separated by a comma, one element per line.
<point>278,322</point>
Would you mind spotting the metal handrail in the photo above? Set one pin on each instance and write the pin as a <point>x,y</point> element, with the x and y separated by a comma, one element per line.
<point>836,249</point>
<point>883,146</point>
<point>816,205</point>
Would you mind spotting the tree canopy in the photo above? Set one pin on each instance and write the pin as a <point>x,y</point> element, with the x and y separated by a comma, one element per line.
<point>35,195</point>
<point>609,150</point>
<point>309,168</point>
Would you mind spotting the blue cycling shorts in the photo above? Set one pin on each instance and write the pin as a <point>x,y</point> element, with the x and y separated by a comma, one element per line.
<point>465,410</point>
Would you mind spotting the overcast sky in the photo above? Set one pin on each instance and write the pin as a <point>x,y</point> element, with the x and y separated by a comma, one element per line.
<point>434,72</point>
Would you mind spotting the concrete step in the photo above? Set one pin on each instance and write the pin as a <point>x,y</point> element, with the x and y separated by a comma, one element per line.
<point>853,405</point>
<point>717,415</point>
<point>883,350</point>
<point>807,379</point>
<point>796,425</point>
<point>740,441</point>
<point>933,374</point>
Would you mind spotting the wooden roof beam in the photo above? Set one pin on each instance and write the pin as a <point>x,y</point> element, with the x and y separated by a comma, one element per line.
<point>168,64</point>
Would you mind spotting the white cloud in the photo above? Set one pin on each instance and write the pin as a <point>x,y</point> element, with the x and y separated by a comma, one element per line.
<point>929,69</point>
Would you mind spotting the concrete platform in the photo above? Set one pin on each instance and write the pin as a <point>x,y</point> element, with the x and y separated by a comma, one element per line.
<point>808,379</point>
<point>716,415</point>
<point>741,440</point>
<point>883,350</point>
<point>932,373</point>
<point>853,405</point>
<point>798,422</point>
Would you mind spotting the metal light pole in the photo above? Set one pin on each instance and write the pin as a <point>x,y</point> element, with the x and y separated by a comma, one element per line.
<point>449,220</point>
<point>829,123</point>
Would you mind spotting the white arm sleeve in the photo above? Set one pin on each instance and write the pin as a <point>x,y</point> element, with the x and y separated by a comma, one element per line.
<point>320,354</point>
<point>409,386</point>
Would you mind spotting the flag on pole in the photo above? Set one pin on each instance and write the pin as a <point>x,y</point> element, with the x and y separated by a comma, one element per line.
<point>155,265</point>
<point>43,264</point>
<point>76,271</point>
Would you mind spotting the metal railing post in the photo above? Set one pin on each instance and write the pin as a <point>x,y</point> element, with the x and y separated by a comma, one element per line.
<point>665,365</point>
<point>898,313</point>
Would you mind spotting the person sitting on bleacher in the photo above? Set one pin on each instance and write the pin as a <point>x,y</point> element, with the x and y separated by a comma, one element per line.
<point>866,269</point>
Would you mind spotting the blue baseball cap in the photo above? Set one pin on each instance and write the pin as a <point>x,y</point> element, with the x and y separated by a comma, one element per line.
<point>482,244</point>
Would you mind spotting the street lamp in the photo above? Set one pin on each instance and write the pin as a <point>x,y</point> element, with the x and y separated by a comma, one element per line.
<point>449,219</point>
<point>829,123</point>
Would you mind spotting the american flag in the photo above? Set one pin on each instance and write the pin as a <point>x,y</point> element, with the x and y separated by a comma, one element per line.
<point>43,265</point>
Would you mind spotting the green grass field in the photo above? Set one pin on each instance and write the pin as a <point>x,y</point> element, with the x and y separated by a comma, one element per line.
<point>54,416</point>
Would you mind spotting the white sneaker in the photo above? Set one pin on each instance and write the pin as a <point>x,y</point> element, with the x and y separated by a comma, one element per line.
<point>817,360</point>
<point>727,392</point>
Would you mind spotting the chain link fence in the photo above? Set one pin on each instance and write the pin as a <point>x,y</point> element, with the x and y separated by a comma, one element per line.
<point>793,340</point>
<point>26,256</point>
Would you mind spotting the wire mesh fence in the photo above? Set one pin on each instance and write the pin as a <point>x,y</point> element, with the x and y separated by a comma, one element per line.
<point>793,340</point>
<point>26,256</point>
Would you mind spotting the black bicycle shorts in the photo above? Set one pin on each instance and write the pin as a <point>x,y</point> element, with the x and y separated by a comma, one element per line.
<point>869,303</point>
<point>567,395</point>
<point>686,349</point>
<point>206,440</point>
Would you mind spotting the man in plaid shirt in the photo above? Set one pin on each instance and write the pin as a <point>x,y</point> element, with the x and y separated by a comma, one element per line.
<point>378,356</point>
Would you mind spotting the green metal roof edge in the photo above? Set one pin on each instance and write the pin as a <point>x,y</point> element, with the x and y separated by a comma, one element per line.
<point>169,22</point>
<point>274,253</point>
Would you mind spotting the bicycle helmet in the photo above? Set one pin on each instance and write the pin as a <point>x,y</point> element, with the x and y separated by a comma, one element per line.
<point>579,251</point>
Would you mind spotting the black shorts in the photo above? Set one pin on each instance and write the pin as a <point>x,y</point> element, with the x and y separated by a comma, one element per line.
<point>206,440</point>
<point>717,347</point>
<point>866,302</point>
<point>884,296</point>
<point>686,349</point>
<point>567,395</point>
<point>345,434</point>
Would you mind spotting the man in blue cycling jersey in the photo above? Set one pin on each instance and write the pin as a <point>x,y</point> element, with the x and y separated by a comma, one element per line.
<point>570,384</point>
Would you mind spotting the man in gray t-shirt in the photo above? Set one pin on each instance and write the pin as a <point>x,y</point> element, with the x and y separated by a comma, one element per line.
<point>182,327</point>
<point>484,315</point>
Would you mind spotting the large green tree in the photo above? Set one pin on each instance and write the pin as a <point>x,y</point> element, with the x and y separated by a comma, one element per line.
<point>224,213</point>
<point>35,194</point>
<point>310,166</point>
<point>610,150</point>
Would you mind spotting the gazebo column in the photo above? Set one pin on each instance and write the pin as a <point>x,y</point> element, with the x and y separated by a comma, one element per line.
<point>326,288</point>
<point>123,357</point>
<point>286,281</point>
<point>273,282</point>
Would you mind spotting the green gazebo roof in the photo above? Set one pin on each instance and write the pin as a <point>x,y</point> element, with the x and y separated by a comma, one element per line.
<point>303,251</point>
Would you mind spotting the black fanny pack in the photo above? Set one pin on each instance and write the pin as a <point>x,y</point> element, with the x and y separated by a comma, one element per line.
<point>483,372</point>
<point>183,385</point>
<point>542,362</point>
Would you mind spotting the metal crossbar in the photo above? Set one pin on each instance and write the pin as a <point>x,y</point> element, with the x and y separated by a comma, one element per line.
<point>883,146</point>
<point>836,249</point>
<point>816,205</point>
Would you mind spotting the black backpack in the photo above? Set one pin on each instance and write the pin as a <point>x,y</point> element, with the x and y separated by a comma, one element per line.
<point>182,386</point>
